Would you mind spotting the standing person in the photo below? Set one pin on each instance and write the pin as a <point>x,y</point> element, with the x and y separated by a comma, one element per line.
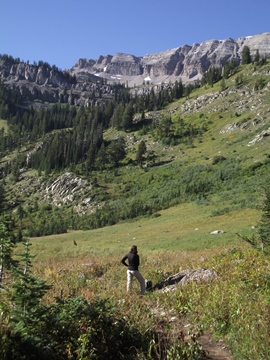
<point>133,268</point>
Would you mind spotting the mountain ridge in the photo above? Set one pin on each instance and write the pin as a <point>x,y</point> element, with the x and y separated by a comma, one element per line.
<point>40,84</point>
<point>185,62</point>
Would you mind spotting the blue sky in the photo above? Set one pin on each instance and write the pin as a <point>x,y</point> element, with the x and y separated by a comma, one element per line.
<point>62,31</point>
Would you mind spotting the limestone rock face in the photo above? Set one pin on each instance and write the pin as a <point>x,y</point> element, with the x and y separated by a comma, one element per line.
<point>186,61</point>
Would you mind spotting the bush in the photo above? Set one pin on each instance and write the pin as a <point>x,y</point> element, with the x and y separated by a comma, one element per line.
<point>217,159</point>
<point>76,329</point>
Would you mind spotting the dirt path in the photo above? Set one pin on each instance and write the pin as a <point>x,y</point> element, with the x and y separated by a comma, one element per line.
<point>215,350</point>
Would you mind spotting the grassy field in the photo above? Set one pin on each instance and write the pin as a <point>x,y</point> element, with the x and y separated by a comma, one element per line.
<point>186,227</point>
<point>179,238</point>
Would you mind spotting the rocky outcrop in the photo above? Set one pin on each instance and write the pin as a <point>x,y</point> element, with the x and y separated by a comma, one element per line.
<point>259,137</point>
<point>186,61</point>
<point>64,190</point>
<point>45,84</point>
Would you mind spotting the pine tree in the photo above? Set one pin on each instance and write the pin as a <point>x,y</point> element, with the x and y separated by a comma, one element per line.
<point>127,119</point>
<point>246,57</point>
<point>116,151</point>
<point>27,290</point>
<point>264,224</point>
<point>262,238</point>
<point>257,56</point>
<point>2,198</point>
<point>140,152</point>
<point>6,250</point>
<point>223,84</point>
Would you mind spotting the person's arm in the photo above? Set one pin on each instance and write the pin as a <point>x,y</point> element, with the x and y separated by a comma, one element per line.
<point>123,261</point>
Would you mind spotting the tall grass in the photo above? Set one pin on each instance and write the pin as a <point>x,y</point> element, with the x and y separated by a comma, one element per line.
<point>234,307</point>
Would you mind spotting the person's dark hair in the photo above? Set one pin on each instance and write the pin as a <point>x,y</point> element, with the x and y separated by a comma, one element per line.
<point>134,249</point>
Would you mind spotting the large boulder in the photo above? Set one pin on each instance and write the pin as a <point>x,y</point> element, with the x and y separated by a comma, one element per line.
<point>186,276</point>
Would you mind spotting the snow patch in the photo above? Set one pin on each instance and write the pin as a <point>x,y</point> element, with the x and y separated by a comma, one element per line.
<point>147,78</point>
<point>117,77</point>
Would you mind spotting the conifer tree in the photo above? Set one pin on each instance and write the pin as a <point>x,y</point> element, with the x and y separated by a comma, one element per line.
<point>116,151</point>
<point>257,56</point>
<point>264,224</point>
<point>27,290</point>
<point>127,119</point>
<point>140,152</point>
<point>246,57</point>
<point>261,241</point>
<point>6,249</point>
<point>2,198</point>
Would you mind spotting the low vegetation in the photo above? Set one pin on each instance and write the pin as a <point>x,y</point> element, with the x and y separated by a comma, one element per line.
<point>85,312</point>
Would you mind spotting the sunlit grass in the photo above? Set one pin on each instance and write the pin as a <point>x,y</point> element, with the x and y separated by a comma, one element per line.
<point>186,227</point>
<point>178,239</point>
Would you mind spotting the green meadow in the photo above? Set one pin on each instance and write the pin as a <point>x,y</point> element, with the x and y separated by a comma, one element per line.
<point>185,227</point>
<point>173,240</point>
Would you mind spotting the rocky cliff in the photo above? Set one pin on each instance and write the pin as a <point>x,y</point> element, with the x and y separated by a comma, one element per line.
<point>186,61</point>
<point>83,83</point>
<point>39,84</point>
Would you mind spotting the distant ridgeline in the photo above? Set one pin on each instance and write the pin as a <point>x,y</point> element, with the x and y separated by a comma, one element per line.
<point>90,80</point>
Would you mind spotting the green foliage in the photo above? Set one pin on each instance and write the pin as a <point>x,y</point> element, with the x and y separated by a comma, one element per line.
<point>39,227</point>
<point>68,138</point>
<point>127,120</point>
<point>27,290</point>
<point>110,328</point>
<point>141,152</point>
<point>264,224</point>
<point>6,250</point>
<point>217,159</point>
<point>116,151</point>
<point>212,75</point>
<point>238,81</point>
<point>2,198</point>
<point>259,84</point>
<point>243,284</point>
<point>72,328</point>
<point>78,329</point>
<point>186,349</point>
<point>246,57</point>
<point>257,56</point>
<point>230,68</point>
<point>261,241</point>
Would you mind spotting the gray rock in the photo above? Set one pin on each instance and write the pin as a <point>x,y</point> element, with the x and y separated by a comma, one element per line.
<point>216,232</point>
<point>186,276</point>
<point>185,62</point>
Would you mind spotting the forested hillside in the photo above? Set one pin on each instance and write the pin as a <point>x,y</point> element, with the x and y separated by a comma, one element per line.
<point>137,152</point>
